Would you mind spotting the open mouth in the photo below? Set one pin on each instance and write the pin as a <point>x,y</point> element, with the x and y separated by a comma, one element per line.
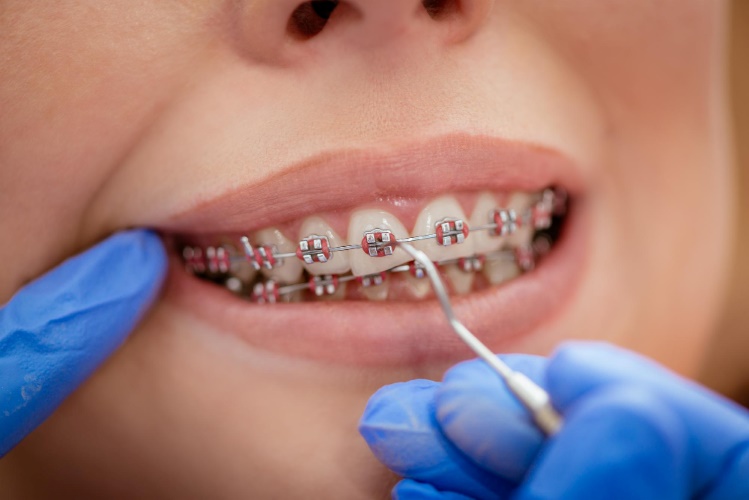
<point>307,263</point>
<point>506,234</point>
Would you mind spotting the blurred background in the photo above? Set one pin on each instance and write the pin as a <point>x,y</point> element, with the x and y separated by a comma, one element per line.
<point>727,367</point>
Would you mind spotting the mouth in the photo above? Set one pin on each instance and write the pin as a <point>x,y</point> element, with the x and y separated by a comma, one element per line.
<point>307,263</point>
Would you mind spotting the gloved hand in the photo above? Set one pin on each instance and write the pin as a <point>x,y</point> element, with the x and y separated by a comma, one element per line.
<point>632,430</point>
<point>57,330</point>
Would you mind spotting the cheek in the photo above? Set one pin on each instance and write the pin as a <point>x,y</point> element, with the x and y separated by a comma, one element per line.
<point>84,87</point>
<point>662,197</point>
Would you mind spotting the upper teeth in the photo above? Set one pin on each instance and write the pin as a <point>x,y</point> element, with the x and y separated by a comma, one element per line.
<point>323,262</point>
<point>380,226</point>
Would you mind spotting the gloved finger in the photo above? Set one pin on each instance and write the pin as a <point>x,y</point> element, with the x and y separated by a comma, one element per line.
<point>409,489</point>
<point>485,421</point>
<point>716,425</point>
<point>400,427</point>
<point>579,367</point>
<point>733,482</point>
<point>57,330</point>
<point>621,442</point>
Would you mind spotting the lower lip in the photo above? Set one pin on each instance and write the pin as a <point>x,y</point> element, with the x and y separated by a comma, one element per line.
<point>390,334</point>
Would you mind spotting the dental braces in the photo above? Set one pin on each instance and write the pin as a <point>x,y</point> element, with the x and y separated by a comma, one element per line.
<point>218,261</point>
<point>270,291</point>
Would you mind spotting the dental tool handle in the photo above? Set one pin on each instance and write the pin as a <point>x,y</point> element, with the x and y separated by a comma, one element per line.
<point>535,399</point>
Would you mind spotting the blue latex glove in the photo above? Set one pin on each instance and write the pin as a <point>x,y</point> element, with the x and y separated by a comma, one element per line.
<point>632,430</point>
<point>57,330</point>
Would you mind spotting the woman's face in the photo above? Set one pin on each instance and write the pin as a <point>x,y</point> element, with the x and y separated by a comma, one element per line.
<point>210,120</point>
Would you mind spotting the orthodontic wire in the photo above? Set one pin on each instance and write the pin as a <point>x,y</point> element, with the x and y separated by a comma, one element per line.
<point>514,221</point>
<point>521,220</point>
<point>296,287</point>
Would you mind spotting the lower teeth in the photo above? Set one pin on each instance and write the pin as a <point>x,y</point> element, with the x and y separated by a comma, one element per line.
<point>511,261</point>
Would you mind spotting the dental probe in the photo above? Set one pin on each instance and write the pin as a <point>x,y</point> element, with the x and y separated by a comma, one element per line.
<point>535,399</point>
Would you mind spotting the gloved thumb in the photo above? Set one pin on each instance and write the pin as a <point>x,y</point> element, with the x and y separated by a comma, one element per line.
<point>485,421</point>
<point>57,330</point>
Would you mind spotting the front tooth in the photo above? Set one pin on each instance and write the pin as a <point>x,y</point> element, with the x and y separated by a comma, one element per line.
<point>291,269</point>
<point>339,261</point>
<point>367,220</point>
<point>500,270</point>
<point>521,203</point>
<point>462,281</point>
<point>435,211</point>
<point>484,241</point>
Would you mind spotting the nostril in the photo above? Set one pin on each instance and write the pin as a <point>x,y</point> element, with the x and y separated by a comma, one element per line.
<point>440,8</point>
<point>309,19</point>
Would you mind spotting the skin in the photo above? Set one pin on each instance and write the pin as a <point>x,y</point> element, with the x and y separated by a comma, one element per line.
<point>124,113</point>
<point>725,368</point>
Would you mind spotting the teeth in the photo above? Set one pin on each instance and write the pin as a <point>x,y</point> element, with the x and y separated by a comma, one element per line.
<point>484,241</point>
<point>292,298</point>
<point>418,287</point>
<point>499,271</point>
<point>338,295</point>
<point>377,292</point>
<point>435,211</point>
<point>461,281</point>
<point>243,270</point>
<point>291,269</point>
<point>442,223</point>
<point>367,220</point>
<point>521,203</point>
<point>240,269</point>
<point>339,261</point>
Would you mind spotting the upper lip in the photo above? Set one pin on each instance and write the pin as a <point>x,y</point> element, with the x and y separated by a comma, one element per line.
<point>339,179</point>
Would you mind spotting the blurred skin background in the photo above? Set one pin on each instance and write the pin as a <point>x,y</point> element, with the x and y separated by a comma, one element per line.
<point>727,366</point>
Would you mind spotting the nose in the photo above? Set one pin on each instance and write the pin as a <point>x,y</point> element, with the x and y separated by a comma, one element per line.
<point>372,22</point>
<point>274,30</point>
<point>380,21</point>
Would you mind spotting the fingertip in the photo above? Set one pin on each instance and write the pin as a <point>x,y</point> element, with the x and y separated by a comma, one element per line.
<point>485,421</point>
<point>400,428</point>
<point>137,257</point>
<point>57,330</point>
<point>395,415</point>
<point>384,406</point>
